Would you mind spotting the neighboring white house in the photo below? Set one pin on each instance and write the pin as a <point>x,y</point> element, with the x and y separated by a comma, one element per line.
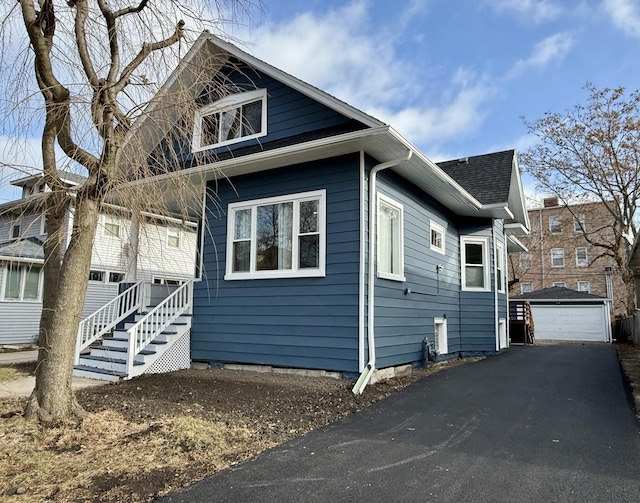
<point>166,255</point>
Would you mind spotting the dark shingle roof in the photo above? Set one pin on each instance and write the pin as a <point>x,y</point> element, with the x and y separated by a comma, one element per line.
<point>28,248</point>
<point>486,177</point>
<point>557,293</point>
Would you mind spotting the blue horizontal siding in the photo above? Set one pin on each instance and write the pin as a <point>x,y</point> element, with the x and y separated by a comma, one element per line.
<point>291,322</point>
<point>403,321</point>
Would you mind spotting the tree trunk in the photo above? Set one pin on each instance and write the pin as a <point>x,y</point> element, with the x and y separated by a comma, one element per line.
<point>53,401</point>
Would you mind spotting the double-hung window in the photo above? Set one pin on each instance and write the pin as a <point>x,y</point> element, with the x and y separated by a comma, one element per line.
<point>111,227</point>
<point>475,260</point>
<point>22,283</point>
<point>278,237</point>
<point>579,223</point>
<point>584,286</point>
<point>582,257</point>
<point>230,120</point>
<point>390,239</point>
<point>173,237</point>
<point>557,257</point>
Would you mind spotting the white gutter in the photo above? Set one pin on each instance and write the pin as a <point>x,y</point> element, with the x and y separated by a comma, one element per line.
<point>364,378</point>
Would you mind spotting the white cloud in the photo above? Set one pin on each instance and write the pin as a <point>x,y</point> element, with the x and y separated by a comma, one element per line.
<point>552,48</point>
<point>338,52</point>
<point>625,14</point>
<point>531,10</point>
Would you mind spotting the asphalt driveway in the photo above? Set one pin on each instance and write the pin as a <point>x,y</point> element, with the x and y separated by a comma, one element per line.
<point>536,424</point>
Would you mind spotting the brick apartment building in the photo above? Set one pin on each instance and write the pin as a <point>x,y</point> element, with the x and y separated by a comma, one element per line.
<point>561,254</point>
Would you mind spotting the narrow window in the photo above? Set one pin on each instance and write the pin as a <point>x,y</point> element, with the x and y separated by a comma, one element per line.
<point>555,224</point>
<point>277,237</point>
<point>579,223</point>
<point>437,237</point>
<point>15,230</point>
<point>500,279</point>
<point>582,258</point>
<point>474,264</point>
<point>557,257</point>
<point>390,239</point>
<point>526,260</point>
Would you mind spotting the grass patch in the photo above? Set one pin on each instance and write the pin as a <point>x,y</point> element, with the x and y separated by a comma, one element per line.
<point>9,374</point>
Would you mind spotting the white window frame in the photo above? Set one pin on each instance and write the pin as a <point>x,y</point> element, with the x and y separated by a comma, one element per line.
<point>524,289</point>
<point>526,260</point>
<point>222,105</point>
<point>167,280</point>
<point>21,283</point>
<point>560,284</point>
<point>579,223</point>
<point>295,271</point>
<point>440,335</point>
<point>111,220</point>
<point>382,199</point>
<point>500,268</point>
<point>587,283</point>
<point>557,252</point>
<point>105,275</point>
<point>484,242</point>
<point>175,233</point>
<point>585,262</point>
<point>439,229</point>
<point>43,224</point>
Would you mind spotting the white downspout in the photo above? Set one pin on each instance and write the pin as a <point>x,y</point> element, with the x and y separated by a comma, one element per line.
<point>363,380</point>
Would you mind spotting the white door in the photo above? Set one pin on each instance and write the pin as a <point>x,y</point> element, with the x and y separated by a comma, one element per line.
<point>569,323</point>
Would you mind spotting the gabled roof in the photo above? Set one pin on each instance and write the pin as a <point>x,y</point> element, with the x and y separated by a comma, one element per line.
<point>27,249</point>
<point>487,177</point>
<point>65,177</point>
<point>377,139</point>
<point>559,294</point>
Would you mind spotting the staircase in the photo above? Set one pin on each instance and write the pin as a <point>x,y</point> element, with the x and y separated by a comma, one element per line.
<point>127,338</point>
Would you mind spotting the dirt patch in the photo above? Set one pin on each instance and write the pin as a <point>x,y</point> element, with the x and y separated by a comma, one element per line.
<point>156,434</point>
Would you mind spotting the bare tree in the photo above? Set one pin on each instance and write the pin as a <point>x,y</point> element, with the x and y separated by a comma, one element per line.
<point>92,60</point>
<point>591,153</point>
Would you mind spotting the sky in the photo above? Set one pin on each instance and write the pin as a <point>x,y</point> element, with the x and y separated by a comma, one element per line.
<point>454,77</point>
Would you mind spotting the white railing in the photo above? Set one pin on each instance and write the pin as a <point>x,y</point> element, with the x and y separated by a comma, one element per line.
<point>157,320</point>
<point>107,317</point>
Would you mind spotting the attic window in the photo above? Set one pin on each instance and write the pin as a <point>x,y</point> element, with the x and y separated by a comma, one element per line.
<point>231,120</point>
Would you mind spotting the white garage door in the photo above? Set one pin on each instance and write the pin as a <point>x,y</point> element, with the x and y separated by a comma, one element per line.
<point>569,323</point>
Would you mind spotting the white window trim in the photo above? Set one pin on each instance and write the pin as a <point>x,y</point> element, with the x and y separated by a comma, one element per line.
<point>43,224</point>
<point>111,220</point>
<point>162,280</point>
<point>179,236</point>
<point>551,228</point>
<point>15,224</point>
<point>522,289</point>
<point>229,102</point>
<point>23,268</point>
<point>400,208</point>
<point>485,263</point>
<point>563,258</point>
<point>560,284</point>
<point>500,264</point>
<point>295,271</point>
<point>433,226</point>
<point>581,220</point>
<point>586,254</point>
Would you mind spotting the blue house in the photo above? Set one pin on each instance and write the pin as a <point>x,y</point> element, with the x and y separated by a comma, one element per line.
<point>332,243</point>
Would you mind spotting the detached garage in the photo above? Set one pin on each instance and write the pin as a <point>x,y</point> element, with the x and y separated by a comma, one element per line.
<point>561,314</point>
